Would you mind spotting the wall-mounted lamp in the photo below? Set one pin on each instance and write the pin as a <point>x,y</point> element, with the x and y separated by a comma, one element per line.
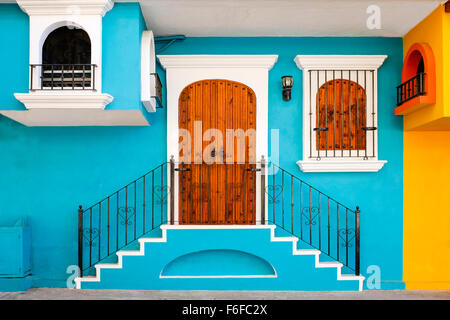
<point>286,83</point>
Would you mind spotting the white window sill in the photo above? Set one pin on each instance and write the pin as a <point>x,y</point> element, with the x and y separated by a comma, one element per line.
<point>341,165</point>
<point>64,99</point>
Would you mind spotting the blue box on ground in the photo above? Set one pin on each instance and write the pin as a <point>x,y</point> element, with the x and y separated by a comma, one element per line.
<point>15,260</point>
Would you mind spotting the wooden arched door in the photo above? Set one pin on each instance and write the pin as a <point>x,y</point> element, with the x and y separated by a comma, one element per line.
<point>217,163</point>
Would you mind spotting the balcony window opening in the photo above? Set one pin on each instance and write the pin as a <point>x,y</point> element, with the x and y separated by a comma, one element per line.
<point>421,67</point>
<point>340,131</point>
<point>66,61</point>
<point>414,85</point>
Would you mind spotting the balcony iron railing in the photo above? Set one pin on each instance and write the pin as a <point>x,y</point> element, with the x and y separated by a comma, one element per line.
<point>410,89</point>
<point>124,216</point>
<point>62,77</point>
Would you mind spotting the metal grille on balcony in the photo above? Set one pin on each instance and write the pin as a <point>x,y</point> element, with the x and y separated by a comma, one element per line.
<point>410,89</point>
<point>62,77</point>
<point>342,116</point>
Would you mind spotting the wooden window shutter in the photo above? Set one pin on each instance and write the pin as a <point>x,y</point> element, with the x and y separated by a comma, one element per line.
<point>340,116</point>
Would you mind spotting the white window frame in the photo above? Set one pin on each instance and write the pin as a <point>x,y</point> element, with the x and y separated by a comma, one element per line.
<point>339,161</point>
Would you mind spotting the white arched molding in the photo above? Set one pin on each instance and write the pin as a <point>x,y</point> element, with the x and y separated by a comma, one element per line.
<point>148,68</point>
<point>251,70</point>
<point>318,69</point>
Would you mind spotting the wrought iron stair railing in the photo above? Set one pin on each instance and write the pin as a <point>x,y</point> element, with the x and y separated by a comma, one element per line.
<point>318,220</point>
<point>288,202</point>
<point>120,219</point>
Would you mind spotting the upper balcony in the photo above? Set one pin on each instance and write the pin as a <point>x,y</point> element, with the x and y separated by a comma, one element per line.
<point>424,100</point>
<point>418,88</point>
<point>68,57</point>
<point>414,87</point>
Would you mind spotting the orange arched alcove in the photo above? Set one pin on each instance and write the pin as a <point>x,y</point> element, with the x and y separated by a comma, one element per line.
<point>415,53</point>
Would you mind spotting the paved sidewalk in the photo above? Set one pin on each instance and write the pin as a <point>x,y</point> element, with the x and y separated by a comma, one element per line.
<point>72,294</point>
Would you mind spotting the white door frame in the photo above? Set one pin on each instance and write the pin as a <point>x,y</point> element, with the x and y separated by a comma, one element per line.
<point>251,70</point>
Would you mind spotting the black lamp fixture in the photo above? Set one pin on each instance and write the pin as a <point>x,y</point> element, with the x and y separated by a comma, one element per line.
<point>286,83</point>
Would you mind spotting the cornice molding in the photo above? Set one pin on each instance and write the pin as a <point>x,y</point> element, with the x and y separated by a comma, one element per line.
<point>339,62</point>
<point>66,7</point>
<point>218,61</point>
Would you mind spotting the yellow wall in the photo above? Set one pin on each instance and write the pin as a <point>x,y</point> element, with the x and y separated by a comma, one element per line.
<point>446,63</point>
<point>426,234</point>
<point>426,210</point>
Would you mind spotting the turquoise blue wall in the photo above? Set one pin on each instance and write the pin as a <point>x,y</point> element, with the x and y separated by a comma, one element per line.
<point>47,172</point>
<point>379,195</point>
<point>14,49</point>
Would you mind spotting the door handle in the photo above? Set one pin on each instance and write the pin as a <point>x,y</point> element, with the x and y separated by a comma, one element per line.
<point>182,169</point>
